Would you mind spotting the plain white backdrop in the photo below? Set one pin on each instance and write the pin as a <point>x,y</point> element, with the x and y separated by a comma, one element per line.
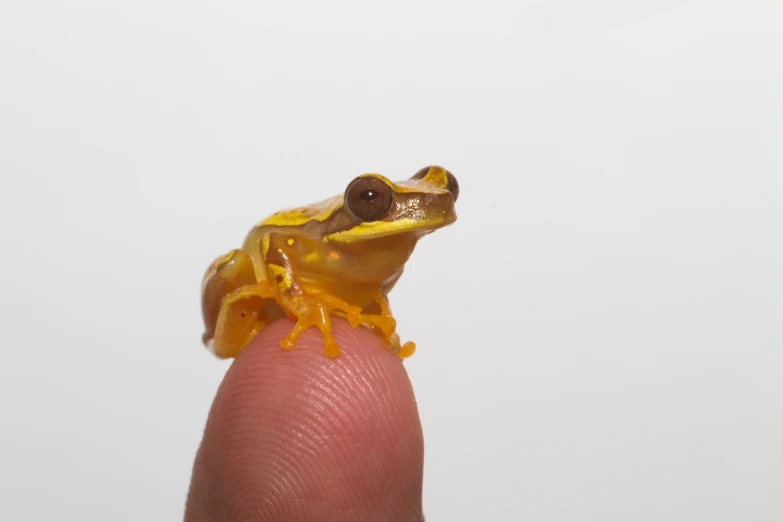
<point>600,334</point>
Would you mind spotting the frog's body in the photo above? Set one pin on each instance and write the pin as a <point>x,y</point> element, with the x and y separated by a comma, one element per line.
<point>338,257</point>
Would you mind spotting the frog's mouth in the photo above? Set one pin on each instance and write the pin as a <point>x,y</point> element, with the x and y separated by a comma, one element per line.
<point>379,229</point>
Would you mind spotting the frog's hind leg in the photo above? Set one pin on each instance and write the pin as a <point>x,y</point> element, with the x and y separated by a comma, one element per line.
<point>235,305</point>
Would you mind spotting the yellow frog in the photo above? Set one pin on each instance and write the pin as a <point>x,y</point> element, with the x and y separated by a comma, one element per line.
<point>338,257</point>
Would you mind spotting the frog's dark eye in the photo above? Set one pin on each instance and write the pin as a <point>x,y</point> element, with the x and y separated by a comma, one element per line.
<point>368,198</point>
<point>452,185</point>
<point>421,173</point>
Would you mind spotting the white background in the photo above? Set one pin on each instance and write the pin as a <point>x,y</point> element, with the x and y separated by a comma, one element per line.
<point>600,334</point>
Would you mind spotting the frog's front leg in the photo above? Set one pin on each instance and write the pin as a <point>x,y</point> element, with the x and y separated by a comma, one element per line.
<point>309,308</point>
<point>311,304</point>
<point>315,310</point>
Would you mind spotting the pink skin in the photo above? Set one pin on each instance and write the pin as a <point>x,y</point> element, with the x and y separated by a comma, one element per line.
<point>294,436</point>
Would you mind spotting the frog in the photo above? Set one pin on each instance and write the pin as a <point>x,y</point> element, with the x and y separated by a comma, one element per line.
<point>336,258</point>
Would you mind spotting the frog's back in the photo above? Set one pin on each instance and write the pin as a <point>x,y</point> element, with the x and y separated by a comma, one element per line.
<point>309,220</point>
<point>300,216</point>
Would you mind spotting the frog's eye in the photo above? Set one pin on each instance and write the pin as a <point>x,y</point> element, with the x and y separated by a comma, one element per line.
<point>453,186</point>
<point>368,198</point>
<point>421,173</point>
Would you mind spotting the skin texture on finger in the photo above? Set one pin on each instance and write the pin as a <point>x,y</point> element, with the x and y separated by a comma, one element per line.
<point>294,436</point>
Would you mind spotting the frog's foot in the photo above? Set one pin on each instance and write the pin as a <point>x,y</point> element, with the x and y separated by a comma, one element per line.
<point>385,327</point>
<point>313,312</point>
<point>384,323</point>
<point>316,311</point>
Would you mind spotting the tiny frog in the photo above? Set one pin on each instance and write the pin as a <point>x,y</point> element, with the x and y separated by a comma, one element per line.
<point>338,257</point>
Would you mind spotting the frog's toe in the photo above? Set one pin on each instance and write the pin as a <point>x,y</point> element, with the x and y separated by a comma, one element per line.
<point>406,350</point>
<point>302,324</point>
<point>331,350</point>
<point>354,315</point>
<point>392,343</point>
<point>385,323</point>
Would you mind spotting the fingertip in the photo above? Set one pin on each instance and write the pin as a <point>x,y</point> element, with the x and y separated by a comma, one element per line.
<point>298,436</point>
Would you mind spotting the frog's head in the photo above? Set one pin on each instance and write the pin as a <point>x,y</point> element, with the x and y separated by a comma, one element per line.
<point>417,206</point>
